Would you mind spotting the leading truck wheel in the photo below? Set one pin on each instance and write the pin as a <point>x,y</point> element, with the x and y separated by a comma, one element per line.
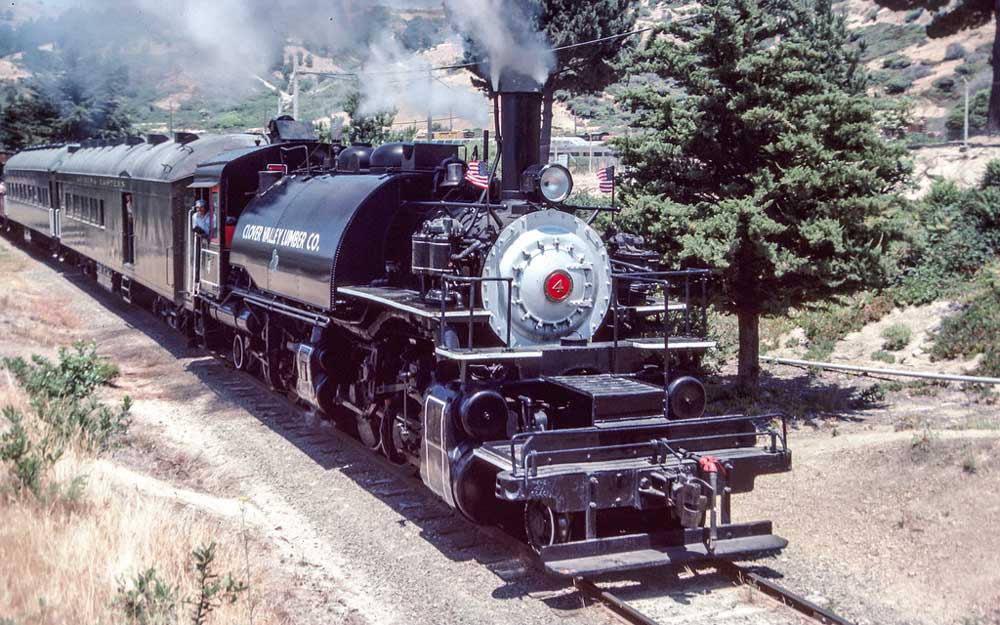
<point>239,353</point>
<point>543,526</point>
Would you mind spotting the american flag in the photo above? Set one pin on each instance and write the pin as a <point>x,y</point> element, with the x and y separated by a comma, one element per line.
<point>606,179</point>
<point>478,174</point>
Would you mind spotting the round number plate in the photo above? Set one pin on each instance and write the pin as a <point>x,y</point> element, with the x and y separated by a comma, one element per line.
<point>558,286</point>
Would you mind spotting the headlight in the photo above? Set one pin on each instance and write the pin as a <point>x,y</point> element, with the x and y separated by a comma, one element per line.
<point>552,182</point>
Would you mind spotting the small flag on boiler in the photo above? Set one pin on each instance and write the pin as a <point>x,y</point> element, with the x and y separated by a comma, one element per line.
<point>606,179</point>
<point>478,174</point>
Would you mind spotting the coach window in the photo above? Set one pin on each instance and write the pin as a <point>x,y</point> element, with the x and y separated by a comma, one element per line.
<point>128,229</point>
<point>101,211</point>
<point>213,214</point>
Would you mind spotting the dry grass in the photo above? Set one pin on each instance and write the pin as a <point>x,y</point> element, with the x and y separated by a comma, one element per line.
<point>67,560</point>
<point>46,311</point>
<point>64,554</point>
<point>11,394</point>
<point>10,263</point>
<point>26,312</point>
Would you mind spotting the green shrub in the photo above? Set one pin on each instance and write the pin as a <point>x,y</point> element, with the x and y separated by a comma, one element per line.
<point>945,84</point>
<point>896,337</point>
<point>87,421</point>
<point>147,600</point>
<point>916,72</point>
<point>896,61</point>
<point>77,374</point>
<point>954,51</point>
<point>883,356</point>
<point>966,69</point>
<point>991,175</point>
<point>884,39</point>
<point>874,394</point>
<point>213,591</point>
<point>62,396</point>
<point>979,104</point>
<point>914,15</point>
<point>951,234</point>
<point>26,462</point>
<point>975,328</point>
<point>825,325</point>
<point>897,84</point>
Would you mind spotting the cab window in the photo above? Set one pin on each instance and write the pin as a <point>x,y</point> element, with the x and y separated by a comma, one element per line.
<point>213,214</point>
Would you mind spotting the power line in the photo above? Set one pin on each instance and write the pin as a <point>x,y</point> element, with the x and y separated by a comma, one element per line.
<point>470,64</point>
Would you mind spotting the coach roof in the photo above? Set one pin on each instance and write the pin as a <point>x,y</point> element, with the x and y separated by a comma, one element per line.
<point>163,162</point>
<point>44,158</point>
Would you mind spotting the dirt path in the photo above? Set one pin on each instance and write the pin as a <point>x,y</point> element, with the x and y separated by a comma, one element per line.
<point>888,508</point>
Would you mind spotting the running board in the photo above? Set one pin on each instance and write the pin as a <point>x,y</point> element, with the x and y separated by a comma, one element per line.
<point>640,551</point>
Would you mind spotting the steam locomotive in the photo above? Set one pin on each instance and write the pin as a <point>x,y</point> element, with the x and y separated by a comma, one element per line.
<point>527,367</point>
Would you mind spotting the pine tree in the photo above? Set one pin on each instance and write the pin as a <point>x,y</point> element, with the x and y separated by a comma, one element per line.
<point>28,119</point>
<point>953,17</point>
<point>372,128</point>
<point>586,69</point>
<point>758,156</point>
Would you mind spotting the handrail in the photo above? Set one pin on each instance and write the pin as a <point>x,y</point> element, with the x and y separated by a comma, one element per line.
<point>446,280</point>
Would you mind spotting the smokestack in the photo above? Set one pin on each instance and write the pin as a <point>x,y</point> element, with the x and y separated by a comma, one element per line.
<point>520,127</point>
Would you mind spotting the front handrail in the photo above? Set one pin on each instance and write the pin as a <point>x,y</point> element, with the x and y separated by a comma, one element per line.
<point>530,440</point>
<point>661,278</point>
<point>446,280</point>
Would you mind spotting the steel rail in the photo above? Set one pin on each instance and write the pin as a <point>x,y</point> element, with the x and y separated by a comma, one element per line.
<point>948,377</point>
<point>739,574</point>
<point>783,595</point>
<point>616,605</point>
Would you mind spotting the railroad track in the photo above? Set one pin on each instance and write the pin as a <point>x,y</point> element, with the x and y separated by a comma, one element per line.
<point>270,405</point>
<point>403,480</point>
<point>733,571</point>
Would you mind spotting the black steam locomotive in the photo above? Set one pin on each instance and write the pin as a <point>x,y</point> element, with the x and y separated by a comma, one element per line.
<point>489,337</point>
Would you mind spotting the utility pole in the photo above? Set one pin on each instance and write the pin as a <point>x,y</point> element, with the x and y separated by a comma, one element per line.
<point>430,121</point>
<point>295,87</point>
<point>965,129</point>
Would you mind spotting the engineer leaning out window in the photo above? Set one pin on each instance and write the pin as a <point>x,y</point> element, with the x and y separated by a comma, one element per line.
<point>200,221</point>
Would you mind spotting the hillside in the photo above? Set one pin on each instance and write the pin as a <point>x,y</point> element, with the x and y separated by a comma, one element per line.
<point>233,78</point>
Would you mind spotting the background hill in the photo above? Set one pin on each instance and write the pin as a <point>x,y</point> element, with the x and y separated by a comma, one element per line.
<point>187,66</point>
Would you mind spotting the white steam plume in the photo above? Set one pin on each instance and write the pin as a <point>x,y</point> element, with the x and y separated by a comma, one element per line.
<point>502,28</point>
<point>397,78</point>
